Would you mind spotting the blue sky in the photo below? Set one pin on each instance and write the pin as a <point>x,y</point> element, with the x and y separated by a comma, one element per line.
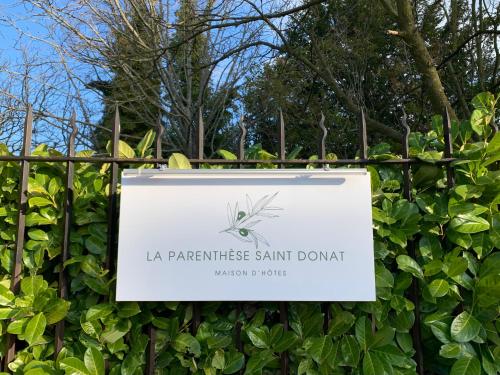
<point>21,36</point>
<point>13,12</point>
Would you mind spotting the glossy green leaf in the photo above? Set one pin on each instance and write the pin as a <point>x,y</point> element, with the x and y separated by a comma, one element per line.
<point>286,341</point>
<point>73,366</point>
<point>495,228</point>
<point>33,285</point>
<point>39,202</point>
<point>451,350</point>
<point>372,364</point>
<point>128,309</point>
<point>438,288</point>
<point>455,266</point>
<point>350,351</point>
<point>456,208</point>
<point>186,343</point>
<point>430,156</point>
<point>94,361</point>
<point>258,361</point>
<point>319,348</point>
<point>35,328</point>
<point>38,235</point>
<point>145,143</point>
<point>393,355</point>
<point>56,310</point>
<point>467,223</point>
<point>17,327</point>
<point>465,327</point>
<point>6,296</point>
<point>259,336</point>
<point>341,322</point>
<point>95,246</point>
<point>124,150</point>
<point>218,360</point>
<point>7,313</point>
<point>363,330</point>
<point>494,145</point>
<point>96,284</point>
<point>483,100</point>
<point>461,239</point>
<point>383,277</point>
<point>480,120</point>
<point>466,366</point>
<point>227,155</point>
<point>234,361</point>
<point>468,191</point>
<point>178,161</point>
<point>116,331</point>
<point>54,186</point>
<point>408,264</point>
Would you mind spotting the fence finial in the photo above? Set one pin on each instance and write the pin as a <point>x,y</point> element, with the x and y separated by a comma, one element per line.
<point>159,135</point>
<point>448,147</point>
<point>282,137</point>
<point>115,134</point>
<point>74,132</point>
<point>28,131</point>
<point>201,134</point>
<point>406,135</point>
<point>363,138</point>
<point>323,136</point>
<point>243,135</point>
<point>447,133</point>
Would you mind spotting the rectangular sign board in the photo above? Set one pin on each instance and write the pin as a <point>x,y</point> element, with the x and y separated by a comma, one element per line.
<point>245,235</point>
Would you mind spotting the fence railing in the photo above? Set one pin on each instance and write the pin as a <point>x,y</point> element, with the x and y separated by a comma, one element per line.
<point>116,162</point>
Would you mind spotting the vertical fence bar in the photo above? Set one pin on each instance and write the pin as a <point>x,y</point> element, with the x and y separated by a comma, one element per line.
<point>112,201</point>
<point>363,154</point>
<point>21,224</point>
<point>448,151</point>
<point>23,199</point>
<point>448,148</point>
<point>239,305</point>
<point>68,206</point>
<point>237,333</point>
<point>201,147</point>
<point>325,307</point>
<point>151,331</point>
<point>150,350</point>
<point>283,308</point>
<point>414,291</point>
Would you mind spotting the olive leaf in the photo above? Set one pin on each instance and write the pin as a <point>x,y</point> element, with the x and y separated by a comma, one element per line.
<point>242,223</point>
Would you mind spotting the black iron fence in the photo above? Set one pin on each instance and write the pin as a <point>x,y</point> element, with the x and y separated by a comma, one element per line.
<point>116,162</point>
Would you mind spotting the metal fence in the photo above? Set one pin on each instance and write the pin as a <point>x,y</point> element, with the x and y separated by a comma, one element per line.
<point>116,162</point>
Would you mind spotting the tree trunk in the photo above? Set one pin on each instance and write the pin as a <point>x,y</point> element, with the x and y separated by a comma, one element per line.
<point>422,57</point>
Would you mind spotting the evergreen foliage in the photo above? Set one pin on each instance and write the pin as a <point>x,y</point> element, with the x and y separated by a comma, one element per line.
<point>457,269</point>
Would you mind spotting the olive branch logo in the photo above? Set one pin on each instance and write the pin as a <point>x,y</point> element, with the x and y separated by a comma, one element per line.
<point>242,223</point>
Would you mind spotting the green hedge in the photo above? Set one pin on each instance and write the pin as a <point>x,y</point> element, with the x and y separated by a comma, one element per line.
<point>457,268</point>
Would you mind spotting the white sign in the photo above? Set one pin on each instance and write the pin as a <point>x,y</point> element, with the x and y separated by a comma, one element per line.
<point>245,235</point>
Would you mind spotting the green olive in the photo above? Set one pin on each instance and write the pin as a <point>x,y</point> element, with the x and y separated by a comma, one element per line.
<point>241,215</point>
<point>243,232</point>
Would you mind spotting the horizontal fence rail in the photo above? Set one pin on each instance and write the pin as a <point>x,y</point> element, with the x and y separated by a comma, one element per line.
<point>405,162</point>
<point>104,159</point>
